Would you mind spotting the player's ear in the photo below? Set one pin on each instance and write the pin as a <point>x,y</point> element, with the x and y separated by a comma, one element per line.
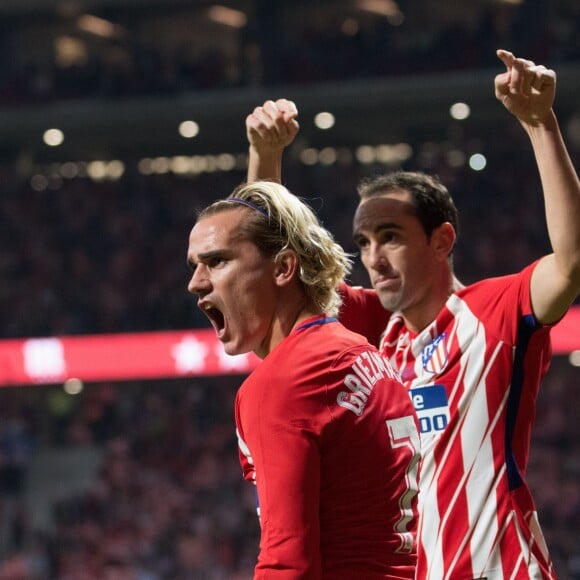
<point>286,267</point>
<point>443,239</point>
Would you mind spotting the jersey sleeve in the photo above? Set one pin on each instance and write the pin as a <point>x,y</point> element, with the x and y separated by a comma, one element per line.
<point>244,454</point>
<point>363,313</point>
<point>505,304</point>
<point>289,495</point>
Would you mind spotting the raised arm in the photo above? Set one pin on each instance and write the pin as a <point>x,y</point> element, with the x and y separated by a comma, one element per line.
<point>528,91</point>
<point>270,129</point>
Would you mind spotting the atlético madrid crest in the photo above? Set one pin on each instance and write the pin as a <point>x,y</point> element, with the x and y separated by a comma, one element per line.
<point>435,355</point>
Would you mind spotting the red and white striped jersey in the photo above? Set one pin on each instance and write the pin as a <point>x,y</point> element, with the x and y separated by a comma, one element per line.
<point>473,375</point>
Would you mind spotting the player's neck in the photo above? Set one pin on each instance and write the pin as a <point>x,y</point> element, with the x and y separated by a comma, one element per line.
<point>423,312</point>
<point>291,313</point>
<point>307,310</point>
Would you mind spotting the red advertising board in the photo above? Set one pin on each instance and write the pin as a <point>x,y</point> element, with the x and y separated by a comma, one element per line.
<point>147,355</point>
<point>156,355</point>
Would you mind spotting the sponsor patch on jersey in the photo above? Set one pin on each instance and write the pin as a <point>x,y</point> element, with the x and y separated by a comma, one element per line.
<point>435,355</point>
<point>432,408</point>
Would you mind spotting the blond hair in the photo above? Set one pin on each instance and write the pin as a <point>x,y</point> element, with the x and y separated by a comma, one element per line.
<point>278,221</point>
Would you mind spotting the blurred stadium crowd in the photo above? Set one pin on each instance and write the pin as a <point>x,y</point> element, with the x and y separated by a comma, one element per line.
<point>167,501</point>
<point>275,43</point>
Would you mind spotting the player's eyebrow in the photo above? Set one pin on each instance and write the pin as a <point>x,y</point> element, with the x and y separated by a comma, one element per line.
<point>378,228</point>
<point>203,257</point>
<point>211,254</point>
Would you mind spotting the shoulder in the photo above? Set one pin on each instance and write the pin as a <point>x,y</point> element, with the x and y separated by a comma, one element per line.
<point>307,357</point>
<point>501,304</point>
<point>495,288</point>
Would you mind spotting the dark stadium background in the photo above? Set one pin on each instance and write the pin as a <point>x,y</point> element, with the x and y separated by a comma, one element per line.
<point>138,479</point>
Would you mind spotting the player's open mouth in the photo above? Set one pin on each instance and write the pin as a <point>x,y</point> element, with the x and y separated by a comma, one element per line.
<point>215,317</point>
